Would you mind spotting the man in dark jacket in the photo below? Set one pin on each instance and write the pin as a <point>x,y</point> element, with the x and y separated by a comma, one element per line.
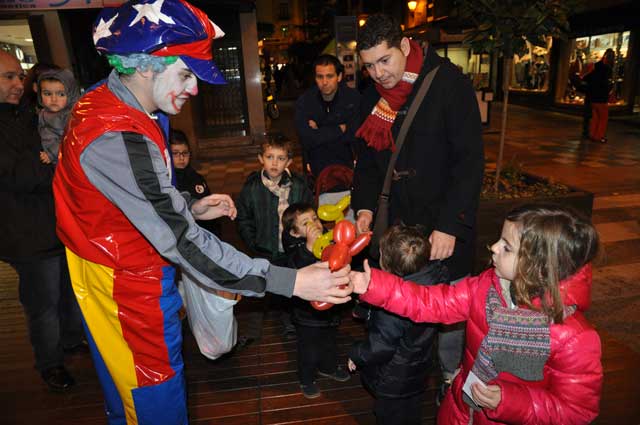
<point>324,117</point>
<point>438,174</point>
<point>28,234</point>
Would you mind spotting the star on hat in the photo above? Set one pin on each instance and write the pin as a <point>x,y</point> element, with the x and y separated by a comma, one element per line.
<point>152,12</point>
<point>160,28</point>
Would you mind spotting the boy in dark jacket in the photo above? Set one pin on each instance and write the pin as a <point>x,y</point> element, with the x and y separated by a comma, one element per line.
<point>396,357</point>
<point>264,197</point>
<point>187,178</point>
<point>316,330</point>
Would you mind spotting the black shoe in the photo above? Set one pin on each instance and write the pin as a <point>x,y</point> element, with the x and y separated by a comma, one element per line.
<point>58,379</point>
<point>80,348</point>
<point>243,341</point>
<point>603,140</point>
<point>310,390</point>
<point>289,332</point>
<point>339,375</point>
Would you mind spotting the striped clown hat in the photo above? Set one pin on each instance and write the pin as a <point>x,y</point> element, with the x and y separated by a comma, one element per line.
<point>160,28</point>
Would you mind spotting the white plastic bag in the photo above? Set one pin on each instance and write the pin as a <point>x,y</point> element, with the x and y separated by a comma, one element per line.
<point>210,318</point>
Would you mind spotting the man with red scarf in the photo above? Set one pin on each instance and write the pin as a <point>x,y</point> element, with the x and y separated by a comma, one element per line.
<point>438,173</point>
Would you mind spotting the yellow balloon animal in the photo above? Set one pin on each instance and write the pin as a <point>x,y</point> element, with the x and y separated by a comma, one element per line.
<point>333,213</point>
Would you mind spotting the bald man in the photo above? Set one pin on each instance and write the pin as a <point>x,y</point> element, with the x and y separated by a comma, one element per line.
<point>28,234</point>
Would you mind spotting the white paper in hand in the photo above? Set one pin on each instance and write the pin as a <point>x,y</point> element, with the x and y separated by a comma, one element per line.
<point>472,378</point>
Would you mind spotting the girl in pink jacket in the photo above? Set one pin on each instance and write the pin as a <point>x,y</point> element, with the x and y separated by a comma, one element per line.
<point>530,357</point>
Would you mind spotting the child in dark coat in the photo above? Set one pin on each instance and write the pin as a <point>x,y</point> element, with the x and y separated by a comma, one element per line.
<point>187,178</point>
<point>316,330</point>
<point>396,357</point>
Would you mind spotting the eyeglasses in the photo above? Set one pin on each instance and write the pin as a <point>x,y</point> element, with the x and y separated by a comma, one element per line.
<point>181,154</point>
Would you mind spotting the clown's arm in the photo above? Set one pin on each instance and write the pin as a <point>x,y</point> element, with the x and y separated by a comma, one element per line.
<point>131,172</point>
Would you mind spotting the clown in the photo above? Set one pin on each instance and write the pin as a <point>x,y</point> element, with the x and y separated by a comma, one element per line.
<point>127,229</point>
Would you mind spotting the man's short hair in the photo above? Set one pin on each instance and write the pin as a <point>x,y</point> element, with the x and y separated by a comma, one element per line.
<point>377,29</point>
<point>278,142</point>
<point>325,60</point>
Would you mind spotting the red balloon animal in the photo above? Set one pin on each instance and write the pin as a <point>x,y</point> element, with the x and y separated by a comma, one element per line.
<point>339,254</point>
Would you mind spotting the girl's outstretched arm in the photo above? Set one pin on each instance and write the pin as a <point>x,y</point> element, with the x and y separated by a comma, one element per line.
<point>433,304</point>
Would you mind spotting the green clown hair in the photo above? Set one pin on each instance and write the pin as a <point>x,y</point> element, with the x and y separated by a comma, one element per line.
<point>129,64</point>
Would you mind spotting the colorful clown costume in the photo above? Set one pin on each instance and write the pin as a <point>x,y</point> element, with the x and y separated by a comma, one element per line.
<point>125,227</point>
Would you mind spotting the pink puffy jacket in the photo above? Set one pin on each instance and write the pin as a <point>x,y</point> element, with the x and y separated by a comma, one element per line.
<point>569,393</point>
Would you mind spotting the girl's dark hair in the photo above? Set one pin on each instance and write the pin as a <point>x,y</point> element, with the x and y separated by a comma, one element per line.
<point>404,250</point>
<point>555,242</point>
<point>379,28</point>
<point>291,213</point>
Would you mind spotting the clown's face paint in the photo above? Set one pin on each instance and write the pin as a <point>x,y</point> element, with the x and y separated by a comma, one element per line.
<point>173,86</point>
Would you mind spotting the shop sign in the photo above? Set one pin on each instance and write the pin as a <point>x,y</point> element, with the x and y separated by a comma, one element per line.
<point>56,4</point>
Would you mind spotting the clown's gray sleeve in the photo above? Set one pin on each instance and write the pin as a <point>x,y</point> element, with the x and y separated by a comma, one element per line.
<point>131,172</point>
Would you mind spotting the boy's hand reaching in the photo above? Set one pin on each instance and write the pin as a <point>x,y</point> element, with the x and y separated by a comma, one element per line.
<point>360,280</point>
<point>44,158</point>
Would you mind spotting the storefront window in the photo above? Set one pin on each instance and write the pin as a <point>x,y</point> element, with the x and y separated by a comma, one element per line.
<point>585,52</point>
<point>475,66</point>
<point>530,71</point>
<point>15,38</point>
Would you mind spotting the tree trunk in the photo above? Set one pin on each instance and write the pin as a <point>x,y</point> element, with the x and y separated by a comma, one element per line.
<point>506,80</point>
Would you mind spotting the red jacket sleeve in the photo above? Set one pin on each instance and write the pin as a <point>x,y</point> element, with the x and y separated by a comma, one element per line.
<point>573,393</point>
<point>433,304</point>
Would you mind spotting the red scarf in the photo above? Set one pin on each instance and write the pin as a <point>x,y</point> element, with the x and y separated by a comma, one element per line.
<point>376,129</point>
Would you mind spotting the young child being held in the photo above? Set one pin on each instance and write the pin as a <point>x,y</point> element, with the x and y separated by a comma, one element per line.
<point>531,357</point>
<point>187,178</point>
<point>264,197</point>
<point>316,330</point>
<point>396,357</point>
<point>57,93</point>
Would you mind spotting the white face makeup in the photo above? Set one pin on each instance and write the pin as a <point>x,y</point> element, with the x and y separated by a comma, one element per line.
<point>173,86</point>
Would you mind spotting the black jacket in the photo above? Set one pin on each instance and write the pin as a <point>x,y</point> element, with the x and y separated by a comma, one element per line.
<point>189,180</point>
<point>395,359</point>
<point>28,225</point>
<point>302,313</point>
<point>441,162</point>
<point>258,219</point>
<point>328,144</point>
<point>599,82</point>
